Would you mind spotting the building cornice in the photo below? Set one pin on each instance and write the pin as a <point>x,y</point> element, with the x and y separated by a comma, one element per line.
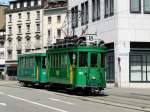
<point>23,9</point>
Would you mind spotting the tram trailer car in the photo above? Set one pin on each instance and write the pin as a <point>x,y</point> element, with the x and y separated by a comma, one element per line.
<point>81,67</point>
<point>32,68</point>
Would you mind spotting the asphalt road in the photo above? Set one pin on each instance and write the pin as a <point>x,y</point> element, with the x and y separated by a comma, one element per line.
<point>14,98</point>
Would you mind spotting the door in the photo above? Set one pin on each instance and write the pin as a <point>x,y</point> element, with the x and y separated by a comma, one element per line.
<point>93,77</point>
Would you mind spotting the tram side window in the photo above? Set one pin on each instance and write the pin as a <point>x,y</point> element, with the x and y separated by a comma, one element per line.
<point>32,62</point>
<point>102,60</point>
<point>71,57</point>
<point>59,60</point>
<point>44,62</point>
<point>24,63</point>
<point>93,60</point>
<point>83,59</point>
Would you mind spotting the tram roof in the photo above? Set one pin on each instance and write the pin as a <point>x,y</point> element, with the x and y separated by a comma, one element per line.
<point>79,48</point>
<point>34,53</point>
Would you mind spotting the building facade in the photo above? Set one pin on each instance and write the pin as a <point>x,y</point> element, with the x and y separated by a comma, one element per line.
<point>53,20</point>
<point>2,53</point>
<point>25,29</point>
<point>2,39</point>
<point>124,25</point>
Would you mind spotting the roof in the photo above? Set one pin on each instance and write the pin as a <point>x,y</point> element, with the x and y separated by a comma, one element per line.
<point>34,53</point>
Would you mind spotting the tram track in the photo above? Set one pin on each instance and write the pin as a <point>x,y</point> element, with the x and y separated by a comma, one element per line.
<point>123,101</point>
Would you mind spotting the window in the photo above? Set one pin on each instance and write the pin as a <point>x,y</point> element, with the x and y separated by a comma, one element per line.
<point>19,15</point>
<point>10,18</point>
<point>82,15</point>
<point>38,27</point>
<point>10,30</point>
<point>35,3</point>
<point>98,9</point>
<point>28,15</point>
<point>44,62</point>
<point>95,10</point>
<point>9,54</point>
<point>58,19</point>
<point>1,44</point>
<point>14,6</point>
<point>49,33</point>
<point>93,60</point>
<point>18,52</point>
<point>147,6</point>
<point>27,50</point>
<point>83,59</point>
<point>135,6</point>
<point>19,29</point>
<point>73,58</point>
<point>85,14</point>
<point>21,5</point>
<point>139,67</point>
<point>49,20</point>
<point>11,6</point>
<point>28,27</point>
<point>109,8</point>
<point>102,60</point>
<point>110,71</point>
<point>1,55</point>
<point>74,16</point>
<point>18,5</point>
<point>38,14</point>
<point>58,33</point>
<point>28,3</point>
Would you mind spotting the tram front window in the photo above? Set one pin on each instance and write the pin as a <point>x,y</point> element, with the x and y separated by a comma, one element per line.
<point>83,59</point>
<point>93,60</point>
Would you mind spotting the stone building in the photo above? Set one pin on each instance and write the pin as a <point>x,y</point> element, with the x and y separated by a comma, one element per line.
<point>124,25</point>
<point>27,28</point>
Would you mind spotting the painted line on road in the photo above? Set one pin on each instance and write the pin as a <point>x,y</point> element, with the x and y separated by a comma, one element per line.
<point>58,100</point>
<point>39,104</point>
<point>3,104</point>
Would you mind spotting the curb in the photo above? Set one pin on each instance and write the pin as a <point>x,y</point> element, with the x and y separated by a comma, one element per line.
<point>116,104</point>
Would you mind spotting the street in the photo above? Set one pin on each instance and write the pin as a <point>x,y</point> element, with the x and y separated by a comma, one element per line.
<point>14,98</point>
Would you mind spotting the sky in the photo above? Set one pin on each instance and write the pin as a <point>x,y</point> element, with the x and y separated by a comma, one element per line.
<point>4,1</point>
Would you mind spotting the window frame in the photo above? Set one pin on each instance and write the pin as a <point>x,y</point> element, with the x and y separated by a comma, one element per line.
<point>110,6</point>
<point>145,12</point>
<point>143,60</point>
<point>98,9</point>
<point>93,10</point>
<point>135,11</point>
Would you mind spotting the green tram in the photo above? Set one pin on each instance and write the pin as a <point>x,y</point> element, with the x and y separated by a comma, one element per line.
<point>81,67</point>
<point>32,68</point>
<point>76,66</point>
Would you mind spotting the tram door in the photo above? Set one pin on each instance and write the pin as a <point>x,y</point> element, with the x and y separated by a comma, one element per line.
<point>38,66</point>
<point>93,76</point>
<point>102,68</point>
<point>84,68</point>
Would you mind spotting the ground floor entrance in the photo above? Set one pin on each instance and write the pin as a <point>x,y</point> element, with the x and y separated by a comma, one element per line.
<point>128,64</point>
<point>11,70</point>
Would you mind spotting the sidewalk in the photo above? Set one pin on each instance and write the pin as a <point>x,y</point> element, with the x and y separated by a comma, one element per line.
<point>8,82</point>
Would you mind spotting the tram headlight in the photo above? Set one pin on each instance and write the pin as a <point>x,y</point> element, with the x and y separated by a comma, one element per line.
<point>93,78</point>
